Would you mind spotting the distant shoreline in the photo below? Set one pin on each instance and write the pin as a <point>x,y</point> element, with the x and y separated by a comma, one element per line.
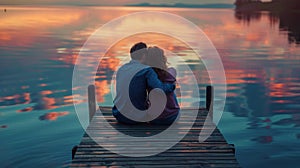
<point>177,5</point>
<point>181,5</point>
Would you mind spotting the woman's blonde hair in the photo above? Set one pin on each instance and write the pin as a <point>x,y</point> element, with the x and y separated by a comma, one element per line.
<point>158,61</point>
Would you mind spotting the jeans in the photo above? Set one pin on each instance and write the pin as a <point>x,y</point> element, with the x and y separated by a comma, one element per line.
<point>162,121</point>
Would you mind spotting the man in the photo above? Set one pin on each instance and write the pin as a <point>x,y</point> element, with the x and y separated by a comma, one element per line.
<point>132,81</point>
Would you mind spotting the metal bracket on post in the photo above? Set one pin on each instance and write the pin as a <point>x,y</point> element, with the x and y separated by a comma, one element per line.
<point>210,100</point>
<point>91,101</point>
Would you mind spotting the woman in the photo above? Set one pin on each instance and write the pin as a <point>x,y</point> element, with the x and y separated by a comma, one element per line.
<point>158,61</point>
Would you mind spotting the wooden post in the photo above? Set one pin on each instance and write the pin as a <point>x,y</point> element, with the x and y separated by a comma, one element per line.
<point>91,101</point>
<point>232,147</point>
<point>74,149</point>
<point>210,100</point>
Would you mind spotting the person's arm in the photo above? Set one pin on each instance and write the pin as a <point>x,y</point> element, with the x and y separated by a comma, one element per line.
<point>154,82</point>
<point>171,75</point>
<point>172,72</point>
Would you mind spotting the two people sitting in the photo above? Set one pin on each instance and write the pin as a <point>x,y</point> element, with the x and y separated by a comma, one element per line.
<point>147,71</point>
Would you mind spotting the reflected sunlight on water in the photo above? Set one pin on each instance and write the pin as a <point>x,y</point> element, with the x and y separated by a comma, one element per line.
<point>39,47</point>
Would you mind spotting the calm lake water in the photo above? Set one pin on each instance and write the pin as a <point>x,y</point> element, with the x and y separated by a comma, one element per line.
<point>39,47</point>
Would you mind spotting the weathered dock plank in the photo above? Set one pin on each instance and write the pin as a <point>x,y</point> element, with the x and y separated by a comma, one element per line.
<point>189,152</point>
<point>214,152</point>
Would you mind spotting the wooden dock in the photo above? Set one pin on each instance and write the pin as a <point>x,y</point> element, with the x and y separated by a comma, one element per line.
<point>214,152</point>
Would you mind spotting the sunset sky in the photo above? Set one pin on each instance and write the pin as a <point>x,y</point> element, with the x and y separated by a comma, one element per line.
<point>107,2</point>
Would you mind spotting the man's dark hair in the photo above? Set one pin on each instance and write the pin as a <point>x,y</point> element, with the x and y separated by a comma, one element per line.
<point>138,50</point>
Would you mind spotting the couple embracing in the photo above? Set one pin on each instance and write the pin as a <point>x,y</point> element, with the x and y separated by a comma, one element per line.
<point>146,71</point>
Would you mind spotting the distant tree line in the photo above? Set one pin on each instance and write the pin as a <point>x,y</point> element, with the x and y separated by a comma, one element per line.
<point>274,4</point>
<point>243,2</point>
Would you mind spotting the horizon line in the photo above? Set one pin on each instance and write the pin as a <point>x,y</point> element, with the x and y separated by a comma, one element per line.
<point>206,5</point>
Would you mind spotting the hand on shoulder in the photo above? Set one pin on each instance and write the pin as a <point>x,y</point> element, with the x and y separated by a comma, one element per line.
<point>172,71</point>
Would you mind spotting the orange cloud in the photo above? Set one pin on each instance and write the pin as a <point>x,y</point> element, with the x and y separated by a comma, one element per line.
<point>51,116</point>
<point>22,26</point>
